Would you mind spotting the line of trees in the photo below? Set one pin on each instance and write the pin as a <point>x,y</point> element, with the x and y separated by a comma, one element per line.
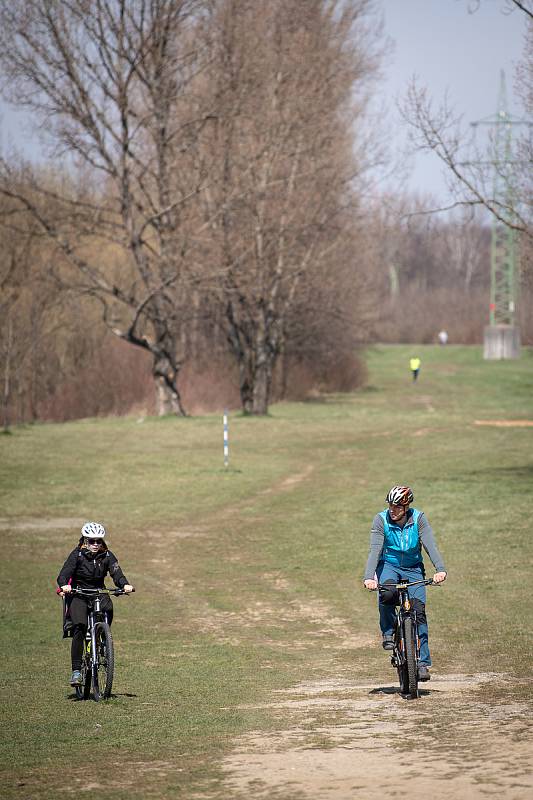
<point>58,361</point>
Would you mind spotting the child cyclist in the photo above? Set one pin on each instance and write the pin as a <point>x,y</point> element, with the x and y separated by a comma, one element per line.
<point>396,540</point>
<point>86,568</point>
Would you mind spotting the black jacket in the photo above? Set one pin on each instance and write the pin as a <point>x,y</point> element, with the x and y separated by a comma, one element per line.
<point>88,571</point>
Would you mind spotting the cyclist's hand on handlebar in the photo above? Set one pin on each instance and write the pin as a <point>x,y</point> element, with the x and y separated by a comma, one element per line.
<point>66,589</point>
<point>127,588</point>
<point>439,577</point>
<point>372,585</point>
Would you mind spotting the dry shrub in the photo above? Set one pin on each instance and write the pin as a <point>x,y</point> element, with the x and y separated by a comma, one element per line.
<point>116,380</point>
<point>306,377</point>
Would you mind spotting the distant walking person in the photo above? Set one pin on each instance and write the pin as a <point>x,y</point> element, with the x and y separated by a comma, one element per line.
<point>414,363</point>
<point>443,337</point>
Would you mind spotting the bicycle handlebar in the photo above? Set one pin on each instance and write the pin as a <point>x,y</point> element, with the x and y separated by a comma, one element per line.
<point>406,584</point>
<point>92,592</point>
<point>104,590</point>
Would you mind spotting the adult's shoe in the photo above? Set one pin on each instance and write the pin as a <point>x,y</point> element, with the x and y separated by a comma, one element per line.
<point>388,641</point>
<point>423,672</point>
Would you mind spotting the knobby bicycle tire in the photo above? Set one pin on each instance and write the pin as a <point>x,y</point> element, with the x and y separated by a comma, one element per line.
<point>401,665</point>
<point>410,658</point>
<point>103,665</point>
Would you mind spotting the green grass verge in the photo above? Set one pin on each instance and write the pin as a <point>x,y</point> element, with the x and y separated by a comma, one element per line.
<point>248,580</point>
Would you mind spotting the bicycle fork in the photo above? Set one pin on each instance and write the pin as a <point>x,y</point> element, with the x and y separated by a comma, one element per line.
<point>94,651</point>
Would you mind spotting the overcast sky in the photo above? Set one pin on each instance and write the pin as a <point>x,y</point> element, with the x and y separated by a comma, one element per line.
<point>439,41</point>
<point>454,51</point>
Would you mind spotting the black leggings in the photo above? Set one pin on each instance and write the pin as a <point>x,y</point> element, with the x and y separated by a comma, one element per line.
<point>78,612</point>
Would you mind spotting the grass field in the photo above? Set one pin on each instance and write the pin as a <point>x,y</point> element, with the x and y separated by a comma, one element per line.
<point>248,661</point>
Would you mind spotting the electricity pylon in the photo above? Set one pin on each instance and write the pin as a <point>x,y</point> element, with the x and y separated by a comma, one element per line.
<point>502,336</point>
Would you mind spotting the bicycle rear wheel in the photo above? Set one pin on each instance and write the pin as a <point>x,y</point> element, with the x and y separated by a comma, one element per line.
<point>411,688</point>
<point>103,662</point>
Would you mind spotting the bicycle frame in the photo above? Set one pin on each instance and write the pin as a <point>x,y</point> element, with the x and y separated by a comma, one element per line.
<point>93,615</point>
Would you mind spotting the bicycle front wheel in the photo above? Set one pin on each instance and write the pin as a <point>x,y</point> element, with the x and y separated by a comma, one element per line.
<point>103,662</point>
<point>399,660</point>
<point>410,657</point>
<point>83,691</point>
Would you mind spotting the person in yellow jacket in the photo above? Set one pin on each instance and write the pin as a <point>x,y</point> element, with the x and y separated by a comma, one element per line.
<point>414,363</point>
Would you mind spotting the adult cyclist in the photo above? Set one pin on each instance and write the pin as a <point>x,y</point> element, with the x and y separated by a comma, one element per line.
<point>86,567</point>
<point>396,540</point>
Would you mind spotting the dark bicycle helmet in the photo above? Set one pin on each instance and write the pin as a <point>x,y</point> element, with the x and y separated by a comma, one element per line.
<point>400,496</point>
<point>389,597</point>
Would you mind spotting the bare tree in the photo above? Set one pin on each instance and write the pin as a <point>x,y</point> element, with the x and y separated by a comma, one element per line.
<point>106,78</point>
<point>289,82</point>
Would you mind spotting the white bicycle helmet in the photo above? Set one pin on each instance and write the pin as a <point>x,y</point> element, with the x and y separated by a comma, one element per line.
<point>400,496</point>
<point>93,530</point>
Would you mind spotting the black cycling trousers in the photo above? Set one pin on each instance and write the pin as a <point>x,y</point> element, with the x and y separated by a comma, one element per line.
<point>78,613</point>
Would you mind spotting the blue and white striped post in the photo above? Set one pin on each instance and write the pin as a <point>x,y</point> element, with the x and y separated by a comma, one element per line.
<point>226,440</point>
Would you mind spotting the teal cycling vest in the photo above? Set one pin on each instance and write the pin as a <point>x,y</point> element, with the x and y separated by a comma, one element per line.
<point>402,545</point>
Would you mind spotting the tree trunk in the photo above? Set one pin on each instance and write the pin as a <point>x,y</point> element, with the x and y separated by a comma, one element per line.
<point>256,361</point>
<point>262,386</point>
<point>246,383</point>
<point>167,395</point>
<point>167,400</point>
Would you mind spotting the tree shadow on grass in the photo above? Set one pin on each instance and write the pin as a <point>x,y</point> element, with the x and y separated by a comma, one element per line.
<point>522,471</point>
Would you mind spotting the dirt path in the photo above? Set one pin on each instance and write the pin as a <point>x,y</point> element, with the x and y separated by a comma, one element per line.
<point>376,742</point>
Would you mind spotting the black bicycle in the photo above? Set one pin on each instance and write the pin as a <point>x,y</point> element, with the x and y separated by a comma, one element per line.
<point>98,660</point>
<point>406,653</point>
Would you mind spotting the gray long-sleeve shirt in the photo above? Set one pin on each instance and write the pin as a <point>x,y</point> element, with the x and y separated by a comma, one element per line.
<point>377,540</point>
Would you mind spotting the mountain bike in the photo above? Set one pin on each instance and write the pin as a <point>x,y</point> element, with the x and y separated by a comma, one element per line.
<point>406,653</point>
<point>98,660</point>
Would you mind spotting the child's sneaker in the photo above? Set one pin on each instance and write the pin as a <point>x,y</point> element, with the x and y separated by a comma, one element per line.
<point>75,679</point>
